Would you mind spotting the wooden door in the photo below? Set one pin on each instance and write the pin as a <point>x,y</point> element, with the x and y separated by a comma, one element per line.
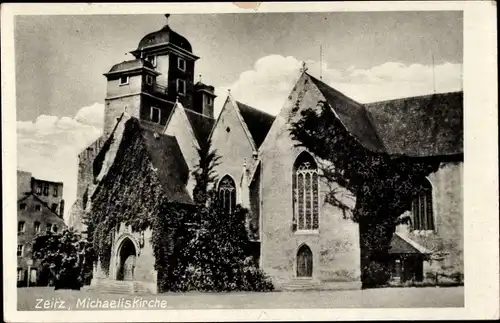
<point>304,262</point>
<point>128,268</point>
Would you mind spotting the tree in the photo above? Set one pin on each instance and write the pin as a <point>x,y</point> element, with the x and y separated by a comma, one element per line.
<point>64,255</point>
<point>383,185</point>
<point>217,254</point>
<point>204,174</point>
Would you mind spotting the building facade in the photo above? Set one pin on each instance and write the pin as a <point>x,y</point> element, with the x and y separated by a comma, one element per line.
<point>300,240</point>
<point>40,208</point>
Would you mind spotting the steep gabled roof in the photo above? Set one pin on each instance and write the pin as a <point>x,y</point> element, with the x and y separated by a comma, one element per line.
<point>201,124</point>
<point>352,114</point>
<point>257,121</point>
<point>42,202</point>
<point>167,161</point>
<point>428,125</point>
<point>167,158</point>
<point>403,245</point>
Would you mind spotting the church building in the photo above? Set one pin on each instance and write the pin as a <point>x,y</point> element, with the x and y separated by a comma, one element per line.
<point>302,242</point>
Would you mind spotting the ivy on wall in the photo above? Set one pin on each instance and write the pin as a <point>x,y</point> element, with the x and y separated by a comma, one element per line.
<point>384,185</point>
<point>194,248</point>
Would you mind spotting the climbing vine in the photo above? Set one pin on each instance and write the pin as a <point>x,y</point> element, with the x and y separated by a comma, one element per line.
<point>384,185</point>
<point>194,248</point>
<point>130,193</point>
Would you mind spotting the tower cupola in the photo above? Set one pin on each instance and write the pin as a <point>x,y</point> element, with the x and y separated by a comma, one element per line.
<point>204,97</point>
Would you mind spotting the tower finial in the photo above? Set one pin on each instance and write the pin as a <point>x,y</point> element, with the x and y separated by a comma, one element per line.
<point>177,99</point>
<point>304,67</point>
<point>200,77</point>
<point>166,17</point>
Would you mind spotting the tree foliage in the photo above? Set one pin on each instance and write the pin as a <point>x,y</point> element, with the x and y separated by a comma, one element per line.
<point>213,251</point>
<point>66,255</point>
<point>383,185</point>
<point>204,174</point>
<point>132,194</point>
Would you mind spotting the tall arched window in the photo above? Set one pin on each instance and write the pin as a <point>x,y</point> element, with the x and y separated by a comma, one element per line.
<point>422,209</point>
<point>305,193</point>
<point>227,194</point>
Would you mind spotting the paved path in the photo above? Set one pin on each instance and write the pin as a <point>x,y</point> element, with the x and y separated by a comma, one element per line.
<point>28,298</point>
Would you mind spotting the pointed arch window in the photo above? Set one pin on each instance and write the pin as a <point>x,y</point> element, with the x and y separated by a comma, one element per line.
<point>422,209</point>
<point>227,194</point>
<point>305,193</point>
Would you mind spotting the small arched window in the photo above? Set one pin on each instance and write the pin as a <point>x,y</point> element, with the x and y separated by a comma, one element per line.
<point>422,208</point>
<point>227,194</point>
<point>305,193</point>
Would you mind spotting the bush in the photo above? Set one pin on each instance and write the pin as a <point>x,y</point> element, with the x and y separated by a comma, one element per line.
<point>375,273</point>
<point>63,256</point>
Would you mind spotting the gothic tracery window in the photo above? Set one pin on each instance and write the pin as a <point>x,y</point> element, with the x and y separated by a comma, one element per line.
<point>227,194</point>
<point>422,209</point>
<point>305,193</point>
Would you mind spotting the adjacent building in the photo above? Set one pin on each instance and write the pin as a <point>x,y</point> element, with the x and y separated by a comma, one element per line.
<point>40,208</point>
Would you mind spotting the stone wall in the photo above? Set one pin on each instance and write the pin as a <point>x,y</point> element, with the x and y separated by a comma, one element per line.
<point>447,238</point>
<point>335,246</point>
<point>181,129</point>
<point>232,145</point>
<point>85,179</point>
<point>23,183</point>
<point>114,107</point>
<point>144,271</point>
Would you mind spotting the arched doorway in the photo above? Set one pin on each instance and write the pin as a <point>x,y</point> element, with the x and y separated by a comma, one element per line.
<point>126,260</point>
<point>304,262</point>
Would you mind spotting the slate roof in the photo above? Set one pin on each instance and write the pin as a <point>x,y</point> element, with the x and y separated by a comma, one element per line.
<point>353,115</point>
<point>129,65</point>
<point>258,122</point>
<point>199,86</point>
<point>420,126</point>
<point>201,124</point>
<point>42,202</point>
<point>165,35</point>
<point>402,245</point>
<point>166,157</point>
<point>171,166</point>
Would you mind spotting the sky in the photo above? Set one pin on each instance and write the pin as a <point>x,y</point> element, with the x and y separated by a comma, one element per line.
<point>369,56</point>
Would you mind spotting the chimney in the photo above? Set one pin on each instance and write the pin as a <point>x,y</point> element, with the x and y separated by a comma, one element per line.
<point>61,209</point>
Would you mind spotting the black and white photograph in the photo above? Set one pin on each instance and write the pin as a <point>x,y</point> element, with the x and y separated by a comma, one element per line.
<point>260,157</point>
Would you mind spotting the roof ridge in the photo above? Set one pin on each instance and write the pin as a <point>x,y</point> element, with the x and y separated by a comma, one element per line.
<point>197,113</point>
<point>414,97</point>
<point>258,110</point>
<point>342,95</point>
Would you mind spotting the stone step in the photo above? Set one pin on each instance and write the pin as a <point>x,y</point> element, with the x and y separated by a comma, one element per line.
<point>118,287</point>
<point>299,284</point>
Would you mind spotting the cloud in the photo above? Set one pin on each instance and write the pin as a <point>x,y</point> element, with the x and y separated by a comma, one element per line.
<point>49,146</point>
<point>92,115</point>
<point>270,81</point>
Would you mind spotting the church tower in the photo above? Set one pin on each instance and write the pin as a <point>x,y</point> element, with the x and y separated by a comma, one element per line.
<point>172,56</point>
<point>161,74</point>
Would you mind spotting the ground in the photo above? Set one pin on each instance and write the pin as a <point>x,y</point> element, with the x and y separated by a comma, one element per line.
<point>29,298</point>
